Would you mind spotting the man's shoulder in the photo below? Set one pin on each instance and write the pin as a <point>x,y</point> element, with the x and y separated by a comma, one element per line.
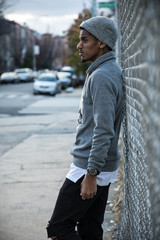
<point>106,74</point>
<point>108,69</point>
<point>108,66</point>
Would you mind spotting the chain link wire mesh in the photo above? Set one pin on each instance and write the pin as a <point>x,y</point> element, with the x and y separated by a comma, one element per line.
<point>139,55</point>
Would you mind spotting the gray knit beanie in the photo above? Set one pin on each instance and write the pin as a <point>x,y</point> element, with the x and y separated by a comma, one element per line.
<point>103,28</point>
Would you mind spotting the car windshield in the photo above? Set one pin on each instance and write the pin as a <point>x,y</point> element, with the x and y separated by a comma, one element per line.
<point>63,75</point>
<point>47,79</point>
<point>22,71</point>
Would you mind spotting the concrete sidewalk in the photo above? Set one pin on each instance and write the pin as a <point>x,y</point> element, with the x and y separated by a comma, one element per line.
<point>32,172</point>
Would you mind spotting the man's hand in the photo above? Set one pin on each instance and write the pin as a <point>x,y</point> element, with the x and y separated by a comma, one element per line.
<point>88,187</point>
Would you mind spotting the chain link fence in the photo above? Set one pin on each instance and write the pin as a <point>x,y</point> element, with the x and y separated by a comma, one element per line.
<point>139,56</point>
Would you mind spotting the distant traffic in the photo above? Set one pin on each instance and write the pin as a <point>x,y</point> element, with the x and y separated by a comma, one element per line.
<point>45,81</point>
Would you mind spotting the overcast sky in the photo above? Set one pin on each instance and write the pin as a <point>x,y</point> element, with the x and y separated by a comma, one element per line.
<point>53,16</point>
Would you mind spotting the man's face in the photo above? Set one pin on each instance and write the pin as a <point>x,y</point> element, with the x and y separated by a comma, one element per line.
<point>89,47</point>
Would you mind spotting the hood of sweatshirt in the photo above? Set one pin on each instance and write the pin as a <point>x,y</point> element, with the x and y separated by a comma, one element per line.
<point>106,57</point>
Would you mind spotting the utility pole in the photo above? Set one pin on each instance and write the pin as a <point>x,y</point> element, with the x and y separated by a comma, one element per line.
<point>36,51</point>
<point>34,55</point>
<point>94,8</point>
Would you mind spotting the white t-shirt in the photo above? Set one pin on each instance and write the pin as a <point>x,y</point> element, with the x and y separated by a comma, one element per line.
<point>103,179</point>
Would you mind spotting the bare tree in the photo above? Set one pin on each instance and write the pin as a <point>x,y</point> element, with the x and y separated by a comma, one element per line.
<point>5,5</point>
<point>2,6</point>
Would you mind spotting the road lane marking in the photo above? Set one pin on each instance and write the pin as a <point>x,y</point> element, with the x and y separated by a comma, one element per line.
<point>11,96</point>
<point>25,96</point>
<point>22,96</point>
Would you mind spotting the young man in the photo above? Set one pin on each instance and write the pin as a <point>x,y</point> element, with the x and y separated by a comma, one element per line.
<point>82,199</point>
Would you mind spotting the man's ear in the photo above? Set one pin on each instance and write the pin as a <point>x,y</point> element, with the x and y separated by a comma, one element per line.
<point>102,45</point>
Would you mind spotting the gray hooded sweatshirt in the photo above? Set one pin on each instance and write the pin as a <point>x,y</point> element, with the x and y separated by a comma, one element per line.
<point>100,116</point>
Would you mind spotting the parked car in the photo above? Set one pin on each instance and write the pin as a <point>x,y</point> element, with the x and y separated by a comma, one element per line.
<point>47,83</point>
<point>68,69</point>
<point>39,72</point>
<point>35,74</point>
<point>65,79</point>
<point>74,78</point>
<point>25,74</point>
<point>9,77</point>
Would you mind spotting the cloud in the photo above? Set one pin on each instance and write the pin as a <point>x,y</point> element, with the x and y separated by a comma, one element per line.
<point>42,24</point>
<point>54,16</point>
<point>49,7</point>
<point>21,18</point>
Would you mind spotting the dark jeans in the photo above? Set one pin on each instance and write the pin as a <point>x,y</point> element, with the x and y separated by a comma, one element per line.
<point>71,211</point>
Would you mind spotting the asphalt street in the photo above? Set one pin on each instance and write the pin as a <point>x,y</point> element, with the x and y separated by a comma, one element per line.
<point>36,135</point>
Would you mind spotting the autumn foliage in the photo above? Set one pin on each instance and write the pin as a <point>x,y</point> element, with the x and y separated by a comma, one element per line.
<point>73,40</point>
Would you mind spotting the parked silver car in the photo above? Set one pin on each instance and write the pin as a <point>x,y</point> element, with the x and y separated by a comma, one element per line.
<point>74,78</point>
<point>65,79</point>
<point>47,83</point>
<point>25,74</point>
<point>39,72</point>
<point>9,77</point>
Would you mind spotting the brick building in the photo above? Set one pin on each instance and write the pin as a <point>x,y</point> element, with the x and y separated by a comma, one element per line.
<point>17,43</point>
